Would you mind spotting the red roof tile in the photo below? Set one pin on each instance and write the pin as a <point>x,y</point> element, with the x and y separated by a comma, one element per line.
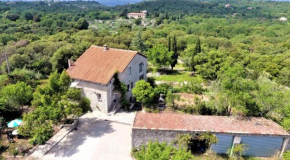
<point>99,65</point>
<point>215,124</point>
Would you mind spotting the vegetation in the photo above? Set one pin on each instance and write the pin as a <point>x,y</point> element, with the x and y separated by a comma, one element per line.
<point>156,150</point>
<point>121,87</point>
<point>15,96</point>
<point>194,143</point>
<point>286,155</point>
<point>52,102</point>
<point>143,92</point>
<point>233,61</point>
<point>239,150</point>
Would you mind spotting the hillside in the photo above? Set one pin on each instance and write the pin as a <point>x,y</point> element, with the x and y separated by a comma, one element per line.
<point>219,57</point>
<point>214,8</point>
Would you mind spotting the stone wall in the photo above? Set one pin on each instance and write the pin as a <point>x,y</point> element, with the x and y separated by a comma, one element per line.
<point>143,136</point>
<point>90,90</point>
<point>259,145</point>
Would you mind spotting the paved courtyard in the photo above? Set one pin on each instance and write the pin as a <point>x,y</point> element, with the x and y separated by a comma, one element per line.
<point>95,139</point>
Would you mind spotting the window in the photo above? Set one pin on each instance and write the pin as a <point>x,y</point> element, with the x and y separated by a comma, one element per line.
<point>99,97</point>
<point>128,87</point>
<point>129,70</point>
<point>132,85</point>
<point>140,67</point>
<point>141,77</point>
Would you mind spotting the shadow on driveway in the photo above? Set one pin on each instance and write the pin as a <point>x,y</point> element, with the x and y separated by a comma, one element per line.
<point>89,129</point>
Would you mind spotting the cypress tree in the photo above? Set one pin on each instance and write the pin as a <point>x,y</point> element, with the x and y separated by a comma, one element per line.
<point>197,50</point>
<point>169,43</point>
<point>137,43</point>
<point>174,57</point>
<point>197,47</point>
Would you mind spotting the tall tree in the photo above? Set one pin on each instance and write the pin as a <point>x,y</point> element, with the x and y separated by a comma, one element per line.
<point>174,57</point>
<point>15,96</point>
<point>137,43</point>
<point>160,56</point>
<point>143,92</point>
<point>197,47</point>
<point>82,24</point>
<point>169,43</point>
<point>197,50</point>
<point>28,16</point>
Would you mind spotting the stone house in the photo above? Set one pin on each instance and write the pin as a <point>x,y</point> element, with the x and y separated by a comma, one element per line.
<point>136,15</point>
<point>94,70</point>
<point>263,137</point>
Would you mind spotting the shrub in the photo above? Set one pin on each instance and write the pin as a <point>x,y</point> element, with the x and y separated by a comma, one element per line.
<point>238,150</point>
<point>162,89</point>
<point>160,151</point>
<point>193,86</point>
<point>138,21</point>
<point>41,133</point>
<point>286,155</point>
<point>143,92</point>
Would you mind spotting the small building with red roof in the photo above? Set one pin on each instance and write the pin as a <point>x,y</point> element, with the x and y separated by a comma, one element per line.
<point>93,72</point>
<point>263,137</point>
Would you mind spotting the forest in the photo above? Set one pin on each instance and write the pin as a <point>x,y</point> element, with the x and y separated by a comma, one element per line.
<point>229,60</point>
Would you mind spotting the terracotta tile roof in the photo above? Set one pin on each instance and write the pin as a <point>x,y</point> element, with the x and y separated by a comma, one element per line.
<point>215,124</point>
<point>99,65</point>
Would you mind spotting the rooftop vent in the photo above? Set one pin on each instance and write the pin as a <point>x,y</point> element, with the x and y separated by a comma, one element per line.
<point>106,47</point>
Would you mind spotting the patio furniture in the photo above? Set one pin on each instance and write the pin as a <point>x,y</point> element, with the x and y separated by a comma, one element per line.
<point>10,137</point>
<point>15,133</point>
<point>14,123</point>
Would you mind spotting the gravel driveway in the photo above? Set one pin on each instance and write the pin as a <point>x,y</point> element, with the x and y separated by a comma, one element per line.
<point>94,140</point>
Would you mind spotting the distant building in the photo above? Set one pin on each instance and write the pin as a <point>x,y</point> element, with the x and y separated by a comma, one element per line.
<point>282,19</point>
<point>94,74</point>
<point>144,11</point>
<point>228,5</point>
<point>264,137</point>
<point>249,8</point>
<point>11,2</point>
<point>142,14</point>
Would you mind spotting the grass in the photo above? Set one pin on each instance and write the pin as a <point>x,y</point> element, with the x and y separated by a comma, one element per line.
<point>179,66</point>
<point>175,77</point>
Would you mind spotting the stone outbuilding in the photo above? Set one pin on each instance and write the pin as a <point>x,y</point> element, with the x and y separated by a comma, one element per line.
<point>264,137</point>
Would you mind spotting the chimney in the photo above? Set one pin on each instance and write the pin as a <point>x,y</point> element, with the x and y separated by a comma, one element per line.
<point>70,63</point>
<point>106,47</point>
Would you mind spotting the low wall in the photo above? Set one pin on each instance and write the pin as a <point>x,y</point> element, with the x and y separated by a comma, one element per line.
<point>143,136</point>
<point>259,145</point>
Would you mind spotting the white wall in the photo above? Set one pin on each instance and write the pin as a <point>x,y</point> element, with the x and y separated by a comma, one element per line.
<point>136,16</point>
<point>127,78</point>
<point>90,90</point>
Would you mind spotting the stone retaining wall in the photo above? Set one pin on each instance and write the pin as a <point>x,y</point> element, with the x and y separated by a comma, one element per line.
<point>143,136</point>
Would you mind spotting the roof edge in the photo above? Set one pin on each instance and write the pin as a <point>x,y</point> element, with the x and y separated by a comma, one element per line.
<point>103,84</point>
<point>204,131</point>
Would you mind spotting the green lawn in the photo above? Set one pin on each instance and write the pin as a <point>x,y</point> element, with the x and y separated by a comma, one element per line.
<point>175,77</point>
